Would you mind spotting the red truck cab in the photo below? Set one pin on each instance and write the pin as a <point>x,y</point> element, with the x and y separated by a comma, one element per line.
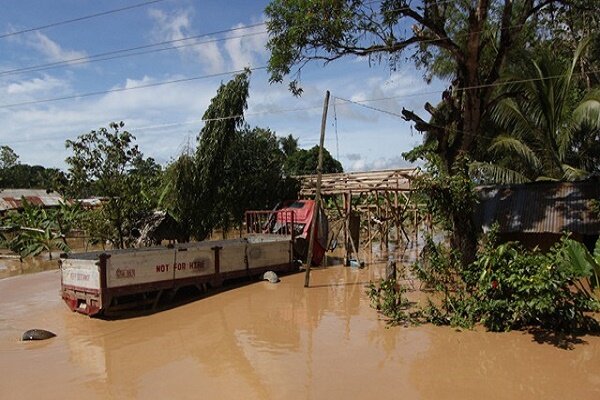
<point>302,211</point>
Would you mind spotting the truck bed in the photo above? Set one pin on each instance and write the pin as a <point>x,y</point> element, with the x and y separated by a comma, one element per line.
<point>103,280</point>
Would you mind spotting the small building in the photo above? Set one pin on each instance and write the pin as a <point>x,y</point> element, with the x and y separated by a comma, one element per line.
<point>538,213</point>
<point>11,199</point>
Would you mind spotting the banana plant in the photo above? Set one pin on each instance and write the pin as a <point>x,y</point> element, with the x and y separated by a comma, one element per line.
<point>585,264</point>
<point>35,229</point>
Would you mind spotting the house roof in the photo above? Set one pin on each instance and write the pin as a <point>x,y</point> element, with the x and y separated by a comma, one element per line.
<point>10,199</point>
<point>540,207</point>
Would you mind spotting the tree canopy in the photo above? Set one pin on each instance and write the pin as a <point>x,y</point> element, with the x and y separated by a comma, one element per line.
<point>14,175</point>
<point>304,162</point>
<point>467,42</point>
<point>108,163</point>
<point>547,130</point>
<point>234,168</point>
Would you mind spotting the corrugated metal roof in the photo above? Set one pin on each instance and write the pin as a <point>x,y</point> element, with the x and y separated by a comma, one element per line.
<point>540,207</point>
<point>10,199</point>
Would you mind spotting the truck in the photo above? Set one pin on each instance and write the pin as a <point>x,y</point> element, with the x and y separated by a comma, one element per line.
<point>98,282</point>
<point>297,216</point>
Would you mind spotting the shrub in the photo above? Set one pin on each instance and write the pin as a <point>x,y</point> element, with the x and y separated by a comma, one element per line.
<point>507,287</point>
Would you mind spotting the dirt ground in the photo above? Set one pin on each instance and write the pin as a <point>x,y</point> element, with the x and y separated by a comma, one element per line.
<point>276,341</point>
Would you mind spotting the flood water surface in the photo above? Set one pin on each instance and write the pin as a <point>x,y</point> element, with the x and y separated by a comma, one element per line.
<point>275,341</point>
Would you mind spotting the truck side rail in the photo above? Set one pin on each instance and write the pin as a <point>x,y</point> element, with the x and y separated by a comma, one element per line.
<point>277,222</point>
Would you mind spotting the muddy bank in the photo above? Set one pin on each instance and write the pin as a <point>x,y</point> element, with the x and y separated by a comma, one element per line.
<point>266,341</point>
<point>13,265</point>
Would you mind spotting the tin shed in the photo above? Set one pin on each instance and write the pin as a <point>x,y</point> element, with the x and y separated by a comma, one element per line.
<point>538,213</point>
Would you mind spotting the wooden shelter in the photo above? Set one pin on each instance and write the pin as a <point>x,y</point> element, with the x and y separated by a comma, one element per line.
<point>382,199</point>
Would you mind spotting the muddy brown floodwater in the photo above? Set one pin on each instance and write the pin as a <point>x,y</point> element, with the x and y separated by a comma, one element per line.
<point>265,341</point>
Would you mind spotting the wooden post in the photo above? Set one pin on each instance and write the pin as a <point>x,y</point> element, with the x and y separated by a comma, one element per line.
<point>397,218</point>
<point>369,228</point>
<point>346,236</point>
<point>311,240</point>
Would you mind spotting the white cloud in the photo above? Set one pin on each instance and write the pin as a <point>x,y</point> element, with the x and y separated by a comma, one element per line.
<point>246,47</point>
<point>52,50</point>
<point>239,48</point>
<point>34,86</point>
<point>176,26</point>
<point>160,117</point>
<point>381,163</point>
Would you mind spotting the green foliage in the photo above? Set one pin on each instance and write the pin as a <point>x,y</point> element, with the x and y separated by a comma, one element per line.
<point>15,175</point>
<point>305,162</point>
<point>388,298</point>
<point>450,198</point>
<point>34,229</point>
<point>549,135</point>
<point>8,158</point>
<point>507,287</point>
<point>224,116</point>
<point>253,174</point>
<point>514,288</point>
<point>234,168</point>
<point>586,264</point>
<point>108,163</point>
<point>288,144</point>
<point>180,192</point>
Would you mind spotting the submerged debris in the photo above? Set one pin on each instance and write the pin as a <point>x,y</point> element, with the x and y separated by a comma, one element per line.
<point>271,277</point>
<point>37,334</point>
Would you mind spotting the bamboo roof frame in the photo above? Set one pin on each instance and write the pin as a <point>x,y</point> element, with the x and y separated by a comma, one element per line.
<point>392,180</point>
<point>387,185</point>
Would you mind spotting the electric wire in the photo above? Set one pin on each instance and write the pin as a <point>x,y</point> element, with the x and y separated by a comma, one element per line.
<point>144,86</point>
<point>81,60</point>
<point>83,18</point>
<point>114,54</point>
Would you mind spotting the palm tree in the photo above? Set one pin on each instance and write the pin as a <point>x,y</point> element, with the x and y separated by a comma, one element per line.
<point>539,127</point>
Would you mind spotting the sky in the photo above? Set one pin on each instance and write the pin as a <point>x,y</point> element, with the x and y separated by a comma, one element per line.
<point>67,79</point>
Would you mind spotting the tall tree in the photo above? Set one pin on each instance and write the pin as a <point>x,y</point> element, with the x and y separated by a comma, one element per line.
<point>108,163</point>
<point>254,173</point>
<point>289,145</point>
<point>8,157</point>
<point>304,162</point>
<point>234,168</point>
<point>548,131</point>
<point>467,41</point>
<point>224,116</point>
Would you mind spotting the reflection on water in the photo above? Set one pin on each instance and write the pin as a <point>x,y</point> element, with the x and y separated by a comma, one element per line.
<point>266,341</point>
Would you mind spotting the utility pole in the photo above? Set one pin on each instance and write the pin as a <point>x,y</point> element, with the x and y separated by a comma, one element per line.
<point>311,240</point>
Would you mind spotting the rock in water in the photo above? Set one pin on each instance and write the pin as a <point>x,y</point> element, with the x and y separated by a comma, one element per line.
<point>271,277</point>
<point>37,334</point>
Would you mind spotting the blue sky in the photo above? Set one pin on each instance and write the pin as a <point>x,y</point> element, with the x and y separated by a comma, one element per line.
<point>165,118</point>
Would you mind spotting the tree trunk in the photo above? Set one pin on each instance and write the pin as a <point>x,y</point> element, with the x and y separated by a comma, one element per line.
<point>464,237</point>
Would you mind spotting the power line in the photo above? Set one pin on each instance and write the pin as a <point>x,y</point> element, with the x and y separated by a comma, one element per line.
<point>176,124</point>
<point>369,107</point>
<point>497,84</point>
<point>89,94</point>
<point>92,58</point>
<point>482,86</point>
<point>110,55</point>
<point>83,18</point>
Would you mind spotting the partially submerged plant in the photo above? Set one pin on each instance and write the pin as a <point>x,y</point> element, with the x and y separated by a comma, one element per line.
<point>507,287</point>
<point>388,298</point>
